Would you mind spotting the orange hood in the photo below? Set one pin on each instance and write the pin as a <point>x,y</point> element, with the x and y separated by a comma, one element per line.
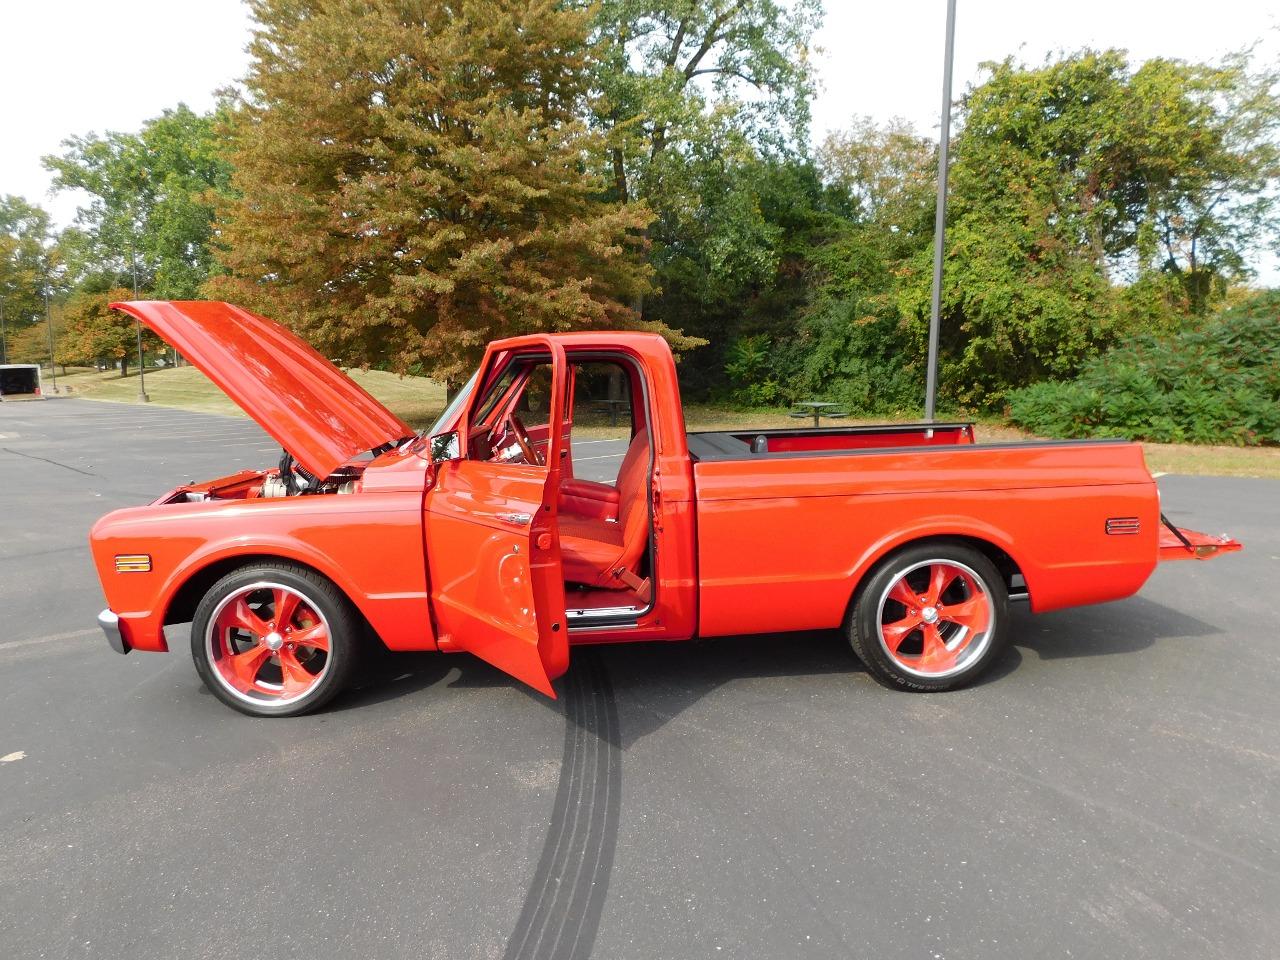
<point>311,408</point>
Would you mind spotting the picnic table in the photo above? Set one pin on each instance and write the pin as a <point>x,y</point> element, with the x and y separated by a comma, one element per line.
<point>613,406</point>
<point>817,409</point>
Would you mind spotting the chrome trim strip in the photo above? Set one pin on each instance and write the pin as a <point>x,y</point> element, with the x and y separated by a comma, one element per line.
<point>604,613</point>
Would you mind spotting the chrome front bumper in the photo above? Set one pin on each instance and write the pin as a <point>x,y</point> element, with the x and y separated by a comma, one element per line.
<point>110,625</point>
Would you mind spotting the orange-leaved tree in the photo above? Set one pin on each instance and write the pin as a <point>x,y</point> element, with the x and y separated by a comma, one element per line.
<point>414,178</point>
<point>91,331</point>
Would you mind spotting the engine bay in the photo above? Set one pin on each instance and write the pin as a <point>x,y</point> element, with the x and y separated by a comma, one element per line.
<point>289,479</point>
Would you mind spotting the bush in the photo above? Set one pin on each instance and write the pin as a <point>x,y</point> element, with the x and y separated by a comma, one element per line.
<point>750,367</point>
<point>850,352</point>
<point>1216,384</point>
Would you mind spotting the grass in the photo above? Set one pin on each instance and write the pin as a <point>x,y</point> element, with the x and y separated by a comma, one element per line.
<point>418,401</point>
<point>415,400</point>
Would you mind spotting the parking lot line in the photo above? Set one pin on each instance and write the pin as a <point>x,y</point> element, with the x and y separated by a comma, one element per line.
<point>69,635</point>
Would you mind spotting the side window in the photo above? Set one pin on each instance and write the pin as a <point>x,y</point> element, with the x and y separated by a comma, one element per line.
<point>534,404</point>
<point>510,422</point>
<point>500,389</point>
<point>602,419</point>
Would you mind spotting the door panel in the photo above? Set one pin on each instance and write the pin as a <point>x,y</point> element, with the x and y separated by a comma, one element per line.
<point>541,437</point>
<point>493,551</point>
<point>482,556</point>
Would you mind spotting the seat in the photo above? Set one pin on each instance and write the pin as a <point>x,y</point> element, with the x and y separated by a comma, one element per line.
<point>600,552</point>
<point>599,501</point>
<point>586,498</point>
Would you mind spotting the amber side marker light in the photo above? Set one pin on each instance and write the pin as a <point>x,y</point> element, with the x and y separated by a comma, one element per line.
<point>133,563</point>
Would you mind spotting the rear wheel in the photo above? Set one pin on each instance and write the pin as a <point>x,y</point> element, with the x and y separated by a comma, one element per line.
<point>931,617</point>
<point>274,640</point>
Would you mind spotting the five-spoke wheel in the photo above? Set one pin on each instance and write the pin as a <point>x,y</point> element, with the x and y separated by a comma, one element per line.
<point>931,617</point>
<point>273,640</point>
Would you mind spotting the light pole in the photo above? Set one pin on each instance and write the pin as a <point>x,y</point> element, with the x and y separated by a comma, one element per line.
<point>940,217</point>
<point>48,322</point>
<point>4,349</point>
<point>142,375</point>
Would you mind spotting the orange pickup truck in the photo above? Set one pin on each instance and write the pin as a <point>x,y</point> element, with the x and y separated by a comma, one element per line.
<point>476,535</point>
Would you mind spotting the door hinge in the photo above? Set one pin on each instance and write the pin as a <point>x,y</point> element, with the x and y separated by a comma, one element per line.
<point>655,499</point>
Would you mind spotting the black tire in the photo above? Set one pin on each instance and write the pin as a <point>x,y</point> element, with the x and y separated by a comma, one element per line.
<point>977,653</point>
<point>344,629</point>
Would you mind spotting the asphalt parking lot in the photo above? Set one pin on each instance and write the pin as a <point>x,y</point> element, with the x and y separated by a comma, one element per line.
<point>1112,790</point>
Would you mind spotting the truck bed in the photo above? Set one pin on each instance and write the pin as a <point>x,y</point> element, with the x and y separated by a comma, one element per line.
<point>749,444</point>
<point>787,520</point>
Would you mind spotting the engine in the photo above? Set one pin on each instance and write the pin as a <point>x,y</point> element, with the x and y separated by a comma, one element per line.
<point>292,480</point>
<point>289,480</point>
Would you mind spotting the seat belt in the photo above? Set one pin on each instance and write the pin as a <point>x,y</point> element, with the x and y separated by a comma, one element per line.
<point>642,588</point>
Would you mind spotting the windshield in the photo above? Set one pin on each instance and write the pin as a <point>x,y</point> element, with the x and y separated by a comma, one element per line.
<point>451,411</point>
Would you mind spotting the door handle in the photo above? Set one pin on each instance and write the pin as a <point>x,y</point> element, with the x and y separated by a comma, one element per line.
<point>520,519</point>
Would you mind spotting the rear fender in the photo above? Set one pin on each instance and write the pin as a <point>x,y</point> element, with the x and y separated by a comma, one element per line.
<point>938,528</point>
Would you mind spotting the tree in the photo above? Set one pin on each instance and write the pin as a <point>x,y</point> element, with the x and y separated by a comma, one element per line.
<point>150,203</point>
<point>890,173</point>
<point>1088,198</point>
<point>689,91</point>
<point>414,179</point>
<point>1168,167</point>
<point>740,264</point>
<point>679,72</point>
<point>24,263</point>
<point>92,331</point>
<point>1206,162</point>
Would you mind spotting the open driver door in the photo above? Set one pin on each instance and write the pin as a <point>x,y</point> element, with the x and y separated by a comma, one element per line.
<point>491,524</point>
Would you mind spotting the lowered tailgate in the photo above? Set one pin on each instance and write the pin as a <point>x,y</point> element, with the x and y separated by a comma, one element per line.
<point>1177,543</point>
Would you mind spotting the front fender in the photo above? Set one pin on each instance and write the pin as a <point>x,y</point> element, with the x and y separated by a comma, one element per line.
<point>369,544</point>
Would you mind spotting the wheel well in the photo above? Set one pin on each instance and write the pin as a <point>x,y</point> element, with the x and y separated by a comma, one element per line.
<point>182,607</point>
<point>1004,563</point>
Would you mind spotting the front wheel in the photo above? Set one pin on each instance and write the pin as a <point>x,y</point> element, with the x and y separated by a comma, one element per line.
<point>274,640</point>
<point>931,617</point>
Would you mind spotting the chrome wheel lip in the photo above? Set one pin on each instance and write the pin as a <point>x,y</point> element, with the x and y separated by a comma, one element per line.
<point>209,648</point>
<point>970,654</point>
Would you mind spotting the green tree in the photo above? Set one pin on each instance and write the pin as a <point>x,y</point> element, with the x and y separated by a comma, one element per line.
<point>1206,161</point>
<point>1087,198</point>
<point>706,106</point>
<point>150,203</point>
<point>25,241</point>
<point>680,72</point>
<point>740,264</point>
<point>690,92</point>
<point>414,179</point>
<point>890,174</point>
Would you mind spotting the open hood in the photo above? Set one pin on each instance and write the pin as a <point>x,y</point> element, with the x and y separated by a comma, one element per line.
<point>311,408</point>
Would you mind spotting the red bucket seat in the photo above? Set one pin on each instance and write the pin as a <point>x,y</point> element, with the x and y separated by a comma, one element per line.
<point>600,552</point>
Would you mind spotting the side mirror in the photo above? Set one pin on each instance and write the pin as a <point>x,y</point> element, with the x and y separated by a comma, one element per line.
<point>446,446</point>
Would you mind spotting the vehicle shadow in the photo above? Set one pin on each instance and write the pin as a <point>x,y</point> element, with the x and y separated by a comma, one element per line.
<point>384,676</point>
<point>654,682</point>
<point>1125,626</point>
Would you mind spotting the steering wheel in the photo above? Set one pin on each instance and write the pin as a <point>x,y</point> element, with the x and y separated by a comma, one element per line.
<point>522,438</point>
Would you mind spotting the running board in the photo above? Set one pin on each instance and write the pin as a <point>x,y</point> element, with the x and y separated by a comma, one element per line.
<point>604,613</point>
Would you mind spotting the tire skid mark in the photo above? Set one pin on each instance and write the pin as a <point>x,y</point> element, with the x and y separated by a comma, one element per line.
<point>562,909</point>
<point>64,466</point>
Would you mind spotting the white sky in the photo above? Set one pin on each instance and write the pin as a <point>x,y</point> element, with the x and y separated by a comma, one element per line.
<point>72,66</point>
